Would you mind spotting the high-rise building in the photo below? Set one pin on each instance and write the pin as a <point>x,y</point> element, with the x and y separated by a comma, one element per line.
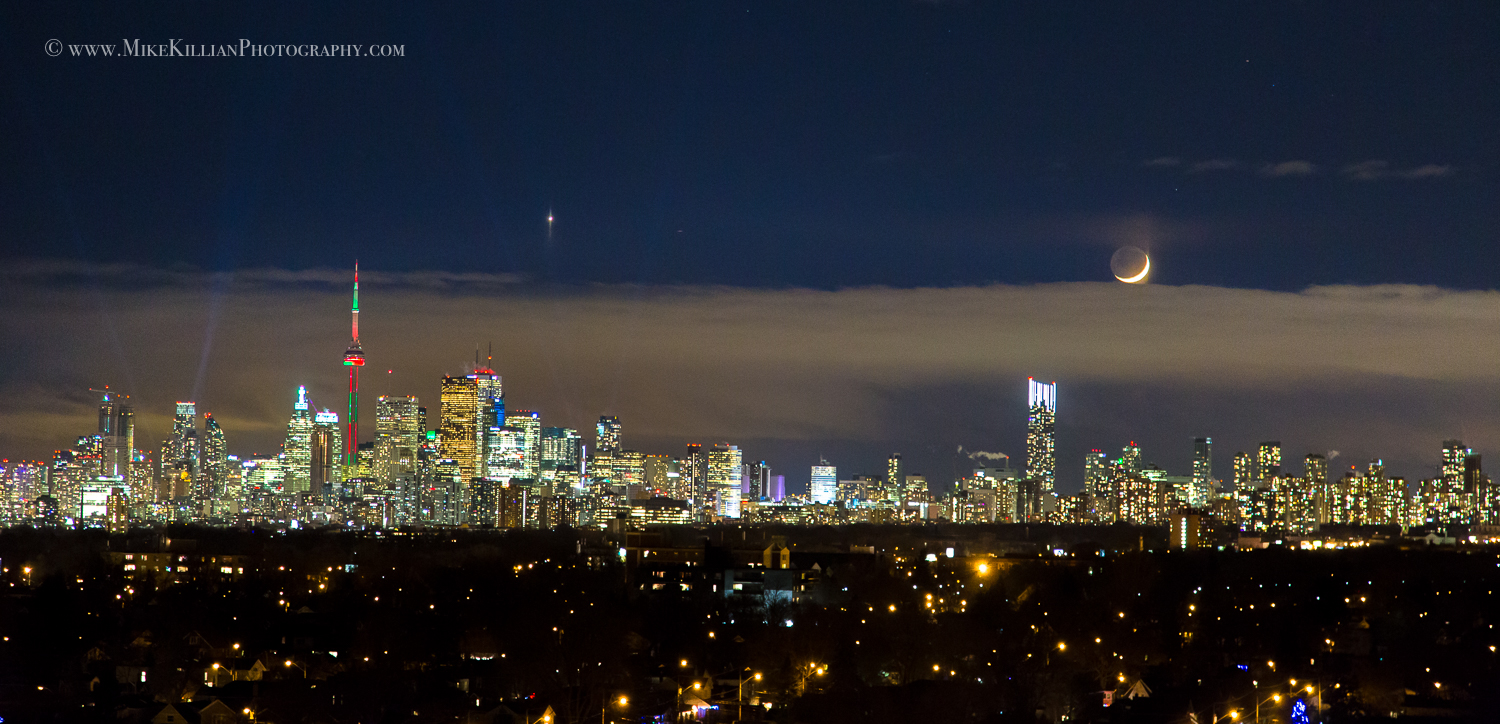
<point>458,426</point>
<point>1324,496</point>
<point>298,447</point>
<point>723,467</point>
<point>117,432</point>
<point>895,478</point>
<point>398,432</point>
<point>824,488</point>
<point>1096,483</point>
<point>661,475</point>
<point>327,455</point>
<point>1267,463</point>
<point>182,446</point>
<point>354,359</point>
<point>530,425</point>
<point>1041,433</point>
<point>215,456</point>
<point>1130,458</point>
<point>1203,471</point>
<point>694,471</point>
<point>561,452</point>
<point>505,454</point>
<point>607,435</point>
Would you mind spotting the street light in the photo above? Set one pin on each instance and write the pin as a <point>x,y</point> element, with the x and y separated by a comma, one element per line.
<point>756,677</point>
<point>289,664</point>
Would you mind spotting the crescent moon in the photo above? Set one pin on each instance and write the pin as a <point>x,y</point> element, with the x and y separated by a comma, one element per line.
<point>1144,271</point>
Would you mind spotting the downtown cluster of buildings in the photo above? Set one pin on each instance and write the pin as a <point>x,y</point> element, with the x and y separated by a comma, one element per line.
<point>487,465</point>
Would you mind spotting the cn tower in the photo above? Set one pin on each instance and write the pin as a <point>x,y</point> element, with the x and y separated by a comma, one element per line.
<point>354,358</point>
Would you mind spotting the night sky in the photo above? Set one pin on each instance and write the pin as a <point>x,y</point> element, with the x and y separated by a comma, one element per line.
<point>808,228</point>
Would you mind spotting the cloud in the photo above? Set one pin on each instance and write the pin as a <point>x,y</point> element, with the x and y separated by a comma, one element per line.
<point>1289,168</point>
<point>1385,371</point>
<point>1214,164</point>
<point>1367,170</point>
<point>1375,170</point>
<point>1430,170</point>
<point>1162,161</point>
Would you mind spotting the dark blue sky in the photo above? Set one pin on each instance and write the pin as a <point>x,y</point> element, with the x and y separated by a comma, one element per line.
<point>769,144</point>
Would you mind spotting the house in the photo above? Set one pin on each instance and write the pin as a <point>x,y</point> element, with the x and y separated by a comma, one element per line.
<point>214,712</point>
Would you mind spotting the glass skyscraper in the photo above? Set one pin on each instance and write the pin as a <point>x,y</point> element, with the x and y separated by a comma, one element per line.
<point>825,483</point>
<point>1041,433</point>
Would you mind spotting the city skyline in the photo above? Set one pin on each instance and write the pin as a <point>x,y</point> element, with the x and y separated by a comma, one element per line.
<point>1368,395</point>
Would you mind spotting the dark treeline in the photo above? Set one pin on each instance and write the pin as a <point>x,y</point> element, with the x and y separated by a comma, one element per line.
<point>497,627</point>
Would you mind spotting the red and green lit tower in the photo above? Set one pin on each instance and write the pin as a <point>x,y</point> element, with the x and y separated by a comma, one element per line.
<point>354,358</point>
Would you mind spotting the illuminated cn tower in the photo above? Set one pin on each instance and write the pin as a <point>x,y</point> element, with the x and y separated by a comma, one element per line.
<point>354,358</point>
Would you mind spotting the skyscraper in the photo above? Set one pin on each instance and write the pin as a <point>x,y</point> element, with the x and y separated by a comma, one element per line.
<point>182,446</point>
<point>327,455</point>
<point>1325,499</point>
<point>1203,471</point>
<point>489,411</point>
<point>825,483</point>
<point>117,430</point>
<point>1041,424</point>
<point>215,456</point>
<point>694,473</point>
<point>458,430</point>
<point>607,435</point>
<point>298,446</point>
<point>530,424</point>
<point>724,462</point>
<point>1267,463</point>
<point>1096,483</point>
<point>398,431</point>
<point>354,358</point>
<point>895,478</point>
<point>560,455</point>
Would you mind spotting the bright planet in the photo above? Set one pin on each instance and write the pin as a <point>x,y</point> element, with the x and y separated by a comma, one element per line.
<point>1130,265</point>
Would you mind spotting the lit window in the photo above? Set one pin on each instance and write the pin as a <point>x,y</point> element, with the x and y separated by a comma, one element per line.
<point>129,566</point>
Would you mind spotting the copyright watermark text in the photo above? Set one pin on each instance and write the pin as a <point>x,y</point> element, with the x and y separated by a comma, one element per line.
<point>179,48</point>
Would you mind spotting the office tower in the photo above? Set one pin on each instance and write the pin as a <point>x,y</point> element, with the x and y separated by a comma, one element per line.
<point>1203,471</point>
<point>141,481</point>
<point>1041,433</point>
<point>458,426</point>
<point>661,475</point>
<point>505,455</point>
<point>825,483</point>
<point>530,425</point>
<point>298,447</point>
<point>895,478</point>
<point>630,468</point>
<point>1324,496</point>
<point>1096,483</point>
<point>723,467</point>
<point>1479,491</point>
<point>1130,458</point>
<point>694,472</point>
<point>182,446</point>
<point>117,433</point>
<point>757,479</point>
<point>1450,504</point>
<point>1267,463</point>
<point>117,511</point>
<point>215,456</point>
<point>354,359</point>
<point>398,431</point>
<point>778,488</point>
<point>607,435</point>
<point>327,456</point>
<point>1244,471</point>
<point>561,452</point>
